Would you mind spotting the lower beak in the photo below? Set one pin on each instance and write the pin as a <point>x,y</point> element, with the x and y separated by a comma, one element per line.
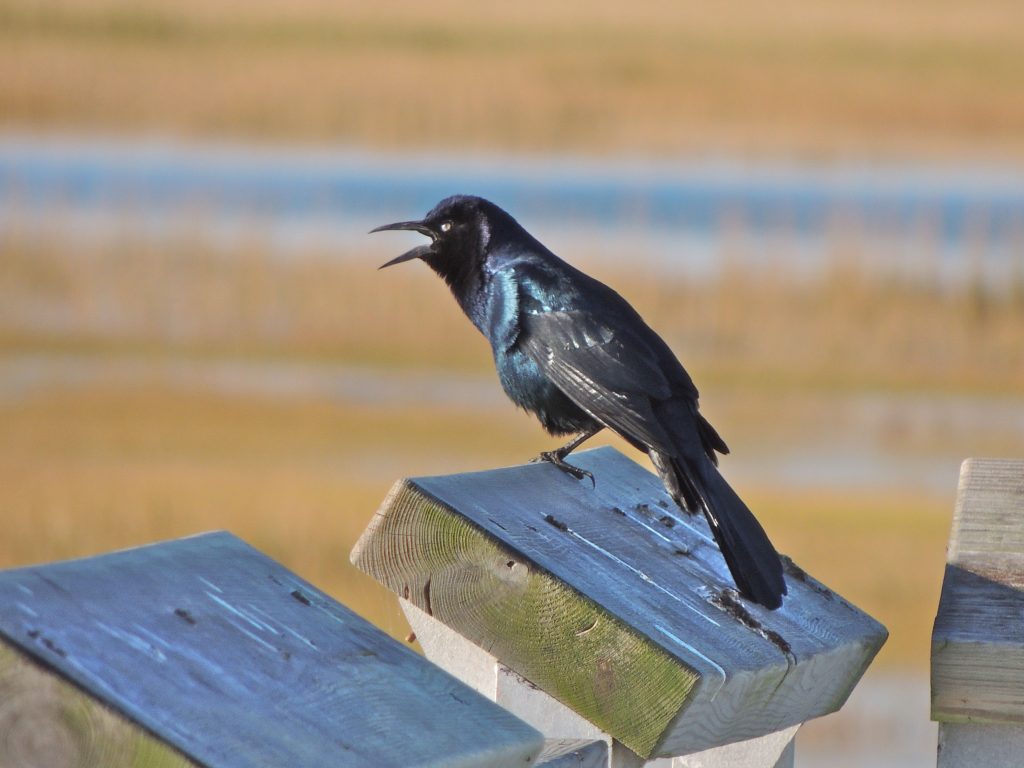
<point>416,253</point>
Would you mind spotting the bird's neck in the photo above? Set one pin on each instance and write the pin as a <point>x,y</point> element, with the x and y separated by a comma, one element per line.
<point>464,277</point>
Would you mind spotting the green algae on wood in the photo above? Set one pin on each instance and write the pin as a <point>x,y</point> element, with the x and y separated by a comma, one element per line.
<point>560,640</point>
<point>47,721</point>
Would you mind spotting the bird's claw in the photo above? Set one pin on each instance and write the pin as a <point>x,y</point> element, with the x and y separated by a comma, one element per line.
<point>553,458</point>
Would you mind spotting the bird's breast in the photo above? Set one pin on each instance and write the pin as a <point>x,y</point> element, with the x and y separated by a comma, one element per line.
<point>528,387</point>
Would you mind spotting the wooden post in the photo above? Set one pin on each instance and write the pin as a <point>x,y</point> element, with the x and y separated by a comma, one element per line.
<point>978,639</point>
<point>618,610</point>
<point>204,652</point>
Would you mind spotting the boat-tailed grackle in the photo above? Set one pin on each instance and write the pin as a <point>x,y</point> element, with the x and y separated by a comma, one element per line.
<point>573,352</point>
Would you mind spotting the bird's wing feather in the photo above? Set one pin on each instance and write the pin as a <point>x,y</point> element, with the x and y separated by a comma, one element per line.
<point>607,369</point>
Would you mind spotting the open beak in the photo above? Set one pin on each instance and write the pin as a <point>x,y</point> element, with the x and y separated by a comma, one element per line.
<point>416,253</point>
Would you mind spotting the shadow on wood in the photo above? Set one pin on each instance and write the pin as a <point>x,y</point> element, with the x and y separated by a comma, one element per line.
<point>615,603</point>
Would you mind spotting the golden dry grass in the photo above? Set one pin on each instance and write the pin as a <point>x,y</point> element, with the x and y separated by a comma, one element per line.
<point>882,550</point>
<point>113,466</point>
<point>86,471</point>
<point>846,330</point>
<point>909,76</point>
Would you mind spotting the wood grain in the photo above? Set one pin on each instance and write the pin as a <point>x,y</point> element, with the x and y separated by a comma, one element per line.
<point>578,652</point>
<point>46,722</point>
<point>225,655</point>
<point>988,533</point>
<point>616,603</point>
<point>978,638</point>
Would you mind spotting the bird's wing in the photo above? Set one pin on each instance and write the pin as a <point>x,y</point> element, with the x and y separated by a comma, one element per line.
<point>607,368</point>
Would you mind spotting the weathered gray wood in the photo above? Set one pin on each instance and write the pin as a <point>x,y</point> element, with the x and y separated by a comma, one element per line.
<point>987,535</point>
<point>978,638</point>
<point>225,655</point>
<point>616,603</point>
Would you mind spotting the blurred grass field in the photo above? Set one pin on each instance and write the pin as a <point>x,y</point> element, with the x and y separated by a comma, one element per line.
<point>91,463</point>
<point>905,78</point>
<point>845,329</point>
<point>111,462</point>
<point>88,471</point>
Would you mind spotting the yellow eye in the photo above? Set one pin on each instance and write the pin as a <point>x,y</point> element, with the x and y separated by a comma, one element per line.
<point>445,226</point>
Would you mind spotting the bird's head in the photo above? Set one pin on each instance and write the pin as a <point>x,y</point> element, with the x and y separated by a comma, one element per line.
<point>460,229</point>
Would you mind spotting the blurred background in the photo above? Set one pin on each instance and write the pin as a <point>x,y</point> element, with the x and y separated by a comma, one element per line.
<point>819,205</point>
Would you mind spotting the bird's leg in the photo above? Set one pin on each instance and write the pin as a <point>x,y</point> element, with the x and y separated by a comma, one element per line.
<point>557,457</point>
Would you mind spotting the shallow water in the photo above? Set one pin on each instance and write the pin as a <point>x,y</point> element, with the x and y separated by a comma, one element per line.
<point>676,213</point>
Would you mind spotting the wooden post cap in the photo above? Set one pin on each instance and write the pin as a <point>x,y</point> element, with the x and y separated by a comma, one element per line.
<point>616,603</point>
<point>978,637</point>
<point>203,651</point>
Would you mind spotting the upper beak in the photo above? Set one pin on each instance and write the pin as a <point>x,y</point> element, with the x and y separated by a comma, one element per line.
<point>416,253</point>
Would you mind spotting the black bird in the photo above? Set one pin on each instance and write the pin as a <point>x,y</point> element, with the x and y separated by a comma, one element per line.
<point>573,352</point>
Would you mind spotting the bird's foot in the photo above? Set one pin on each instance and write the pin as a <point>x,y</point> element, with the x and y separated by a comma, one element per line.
<point>555,458</point>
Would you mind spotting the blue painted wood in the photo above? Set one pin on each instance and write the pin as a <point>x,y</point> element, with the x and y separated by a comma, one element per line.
<point>235,661</point>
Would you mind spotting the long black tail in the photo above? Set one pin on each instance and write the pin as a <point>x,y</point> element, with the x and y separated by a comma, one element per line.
<point>753,562</point>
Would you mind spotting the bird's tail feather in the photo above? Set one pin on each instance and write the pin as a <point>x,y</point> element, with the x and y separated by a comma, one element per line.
<point>753,562</point>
